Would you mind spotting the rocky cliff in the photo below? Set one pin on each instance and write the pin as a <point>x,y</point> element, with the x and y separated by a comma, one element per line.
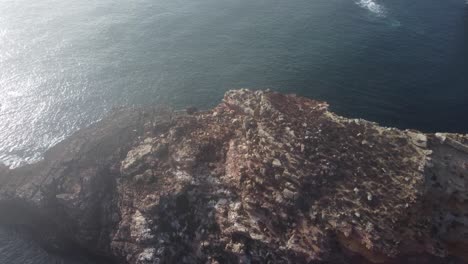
<point>261,178</point>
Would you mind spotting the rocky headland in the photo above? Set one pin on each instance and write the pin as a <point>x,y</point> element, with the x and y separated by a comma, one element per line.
<point>261,178</point>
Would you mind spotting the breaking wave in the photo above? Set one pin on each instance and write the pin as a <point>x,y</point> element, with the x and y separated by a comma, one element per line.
<point>372,6</point>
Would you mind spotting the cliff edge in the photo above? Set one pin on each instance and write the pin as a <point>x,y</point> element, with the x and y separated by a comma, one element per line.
<point>261,178</point>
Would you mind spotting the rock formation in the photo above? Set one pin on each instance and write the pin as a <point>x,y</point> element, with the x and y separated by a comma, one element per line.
<point>261,178</point>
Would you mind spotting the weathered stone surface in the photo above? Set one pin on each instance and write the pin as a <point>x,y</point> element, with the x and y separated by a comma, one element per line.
<point>261,178</point>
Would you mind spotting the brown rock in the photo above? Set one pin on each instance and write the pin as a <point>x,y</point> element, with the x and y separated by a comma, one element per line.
<point>262,178</point>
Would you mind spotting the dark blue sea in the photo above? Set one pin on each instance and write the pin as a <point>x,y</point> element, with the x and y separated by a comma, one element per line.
<point>64,64</point>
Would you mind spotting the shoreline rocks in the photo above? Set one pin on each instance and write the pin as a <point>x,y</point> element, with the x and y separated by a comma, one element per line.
<point>261,178</point>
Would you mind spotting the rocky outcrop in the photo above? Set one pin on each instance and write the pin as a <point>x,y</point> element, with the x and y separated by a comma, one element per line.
<point>261,178</point>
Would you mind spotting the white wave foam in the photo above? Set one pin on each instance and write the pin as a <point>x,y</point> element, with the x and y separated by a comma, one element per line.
<point>372,6</point>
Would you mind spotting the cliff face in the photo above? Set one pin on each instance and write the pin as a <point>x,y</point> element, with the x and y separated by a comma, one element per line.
<point>261,178</point>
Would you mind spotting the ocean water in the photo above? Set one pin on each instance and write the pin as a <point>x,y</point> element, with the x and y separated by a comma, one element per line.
<point>65,63</point>
<point>17,248</point>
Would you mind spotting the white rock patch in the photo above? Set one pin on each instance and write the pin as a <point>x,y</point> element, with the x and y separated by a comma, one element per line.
<point>139,229</point>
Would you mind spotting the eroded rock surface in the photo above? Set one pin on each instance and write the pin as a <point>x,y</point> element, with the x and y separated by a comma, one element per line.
<point>261,178</point>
